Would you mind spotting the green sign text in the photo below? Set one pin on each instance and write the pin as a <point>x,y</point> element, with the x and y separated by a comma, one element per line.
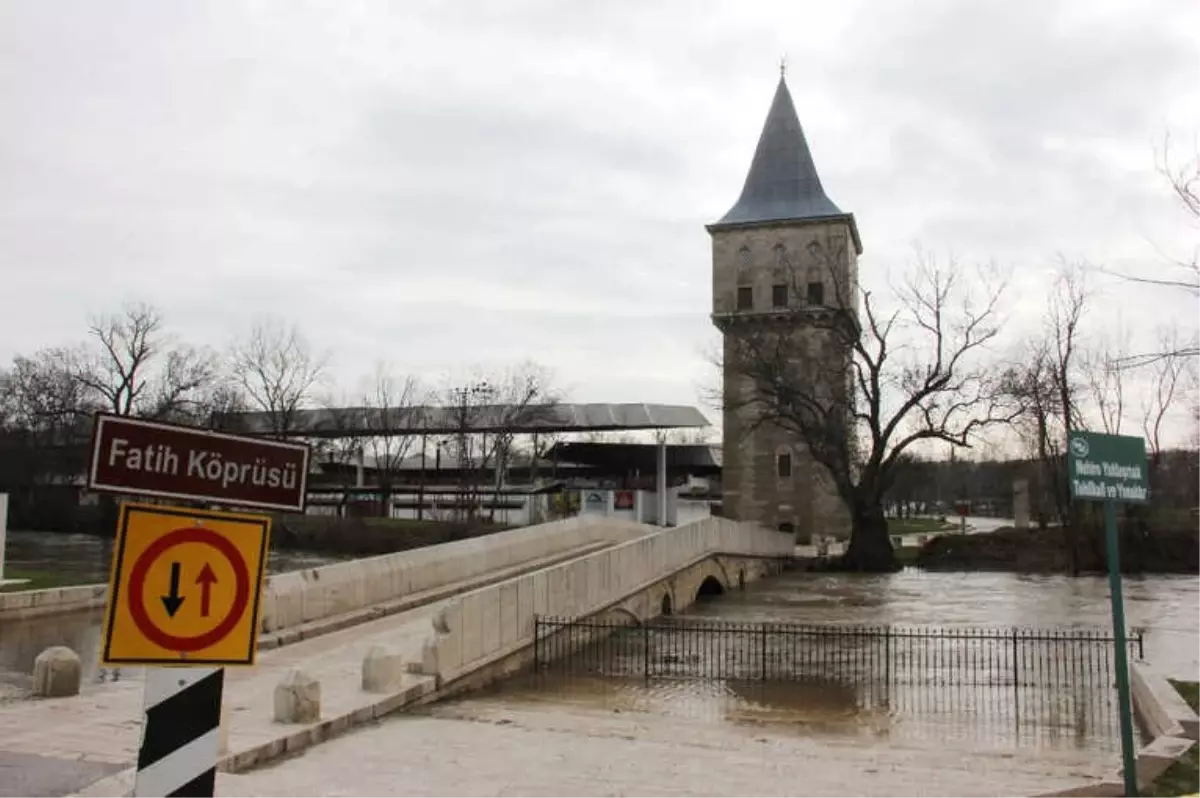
<point>1106,467</point>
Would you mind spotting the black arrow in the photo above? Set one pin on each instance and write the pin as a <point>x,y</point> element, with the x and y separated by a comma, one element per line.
<point>172,600</point>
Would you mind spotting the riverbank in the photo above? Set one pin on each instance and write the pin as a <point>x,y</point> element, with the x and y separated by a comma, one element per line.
<point>364,537</point>
<point>1183,777</point>
<point>1171,550</point>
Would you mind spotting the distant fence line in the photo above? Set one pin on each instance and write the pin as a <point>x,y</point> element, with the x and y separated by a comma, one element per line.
<point>693,649</point>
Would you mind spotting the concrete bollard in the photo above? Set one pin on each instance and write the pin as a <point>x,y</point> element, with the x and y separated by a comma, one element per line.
<point>57,672</point>
<point>382,670</point>
<point>297,698</point>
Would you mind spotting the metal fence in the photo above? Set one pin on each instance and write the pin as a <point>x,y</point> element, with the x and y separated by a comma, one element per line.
<point>677,648</point>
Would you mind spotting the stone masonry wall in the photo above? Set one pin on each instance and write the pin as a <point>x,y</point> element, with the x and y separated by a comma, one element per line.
<point>753,490</point>
<point>494,622</point>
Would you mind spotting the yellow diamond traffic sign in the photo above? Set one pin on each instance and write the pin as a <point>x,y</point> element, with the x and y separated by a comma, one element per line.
<point>185,587</point>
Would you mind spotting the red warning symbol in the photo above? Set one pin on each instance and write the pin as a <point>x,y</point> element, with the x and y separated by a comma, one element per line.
<point>185,587</point>
<point>137,589</point>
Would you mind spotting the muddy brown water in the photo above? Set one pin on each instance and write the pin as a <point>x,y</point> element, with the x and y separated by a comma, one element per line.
<point>1080,717</point>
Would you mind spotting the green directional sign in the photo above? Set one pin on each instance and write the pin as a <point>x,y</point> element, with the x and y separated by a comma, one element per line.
<point>1112,469</point>
<point>1106,467</point>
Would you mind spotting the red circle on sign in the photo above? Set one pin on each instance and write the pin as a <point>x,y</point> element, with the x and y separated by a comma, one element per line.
<point>137,585</point>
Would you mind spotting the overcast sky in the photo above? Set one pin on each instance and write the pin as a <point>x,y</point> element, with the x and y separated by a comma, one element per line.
<point>443,184</point>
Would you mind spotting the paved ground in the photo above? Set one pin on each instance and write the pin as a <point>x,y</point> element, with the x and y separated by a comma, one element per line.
<point>102,726</point>
<point>494,747</point>
<point>33,775</point>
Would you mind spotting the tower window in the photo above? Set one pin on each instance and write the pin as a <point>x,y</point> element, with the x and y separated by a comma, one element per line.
<point>816,293</point>
<point>779,295</point>
<point>783,464</point>
<point>745,297</point>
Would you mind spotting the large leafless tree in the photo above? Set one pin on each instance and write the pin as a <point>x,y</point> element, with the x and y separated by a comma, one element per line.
<point>133,366</point>
<point>277,369</point>
<point>1050,382</point>
<point>861,388</point>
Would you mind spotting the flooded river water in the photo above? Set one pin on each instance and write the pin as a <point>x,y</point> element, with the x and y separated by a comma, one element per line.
<point>1167,607</point>
<point>1076,715</point>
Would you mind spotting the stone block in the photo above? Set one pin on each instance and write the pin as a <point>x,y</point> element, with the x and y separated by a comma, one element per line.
<point>57,672</point>
<point>297,698</point>
<point>1153,759</point>
<point>382,670</point>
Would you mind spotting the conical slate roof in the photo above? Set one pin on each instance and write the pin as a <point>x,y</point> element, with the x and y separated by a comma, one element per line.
<point>783,182</point>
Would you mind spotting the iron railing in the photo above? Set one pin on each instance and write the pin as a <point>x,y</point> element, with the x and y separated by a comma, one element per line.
<point>674,648</point>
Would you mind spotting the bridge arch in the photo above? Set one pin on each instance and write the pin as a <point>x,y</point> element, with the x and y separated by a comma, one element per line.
<point>710,585</point>
<point>616,612</point>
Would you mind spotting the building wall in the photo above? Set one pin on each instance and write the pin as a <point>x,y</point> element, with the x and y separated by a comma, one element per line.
<point>760,257</point>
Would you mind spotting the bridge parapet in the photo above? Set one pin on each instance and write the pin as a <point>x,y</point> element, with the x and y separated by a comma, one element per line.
<point>494,622</point>
<point>317,593</point>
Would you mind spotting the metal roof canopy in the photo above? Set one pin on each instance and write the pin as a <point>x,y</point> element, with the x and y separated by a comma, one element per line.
<point>700,457</point>
<point>365,422</point>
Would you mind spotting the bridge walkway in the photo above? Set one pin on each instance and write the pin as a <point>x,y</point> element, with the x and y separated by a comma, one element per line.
<point>102,725</point>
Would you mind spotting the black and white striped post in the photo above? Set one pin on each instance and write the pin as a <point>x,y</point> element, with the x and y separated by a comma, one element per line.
<point>181,732</point>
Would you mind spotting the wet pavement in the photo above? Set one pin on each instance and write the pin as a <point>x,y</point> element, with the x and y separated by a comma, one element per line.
<point>609,736</point>
<point>36,775</point>
<point>492,746</point>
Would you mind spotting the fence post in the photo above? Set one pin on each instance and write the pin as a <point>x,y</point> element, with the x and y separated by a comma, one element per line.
<point>537,641</point>
<point>763,653</point>
<point>1016,670</point>
<point>1141,644</point>
<point>887,656</point>
<point>646,648</point>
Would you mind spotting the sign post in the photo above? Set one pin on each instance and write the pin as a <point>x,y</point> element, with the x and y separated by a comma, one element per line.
<point>1112,469</point>
<point>962,507</point>
<point>185,585</point>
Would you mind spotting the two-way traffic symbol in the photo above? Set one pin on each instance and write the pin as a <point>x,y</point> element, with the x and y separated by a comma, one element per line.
<point>173,601</point>
<point>186,587</point>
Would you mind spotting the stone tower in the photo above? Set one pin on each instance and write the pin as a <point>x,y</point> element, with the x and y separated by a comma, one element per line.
<point>783,255</point>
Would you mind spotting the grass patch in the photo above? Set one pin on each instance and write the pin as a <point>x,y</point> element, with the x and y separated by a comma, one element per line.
<point>41,580</point>
<point>1183,777</point>
<point>919,526</point>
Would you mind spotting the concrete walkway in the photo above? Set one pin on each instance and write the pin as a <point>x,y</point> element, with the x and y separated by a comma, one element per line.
<point>101,727</point>
<point>104,726</point>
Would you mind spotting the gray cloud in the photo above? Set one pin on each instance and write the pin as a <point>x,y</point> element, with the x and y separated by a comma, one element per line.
<point>439,184</point>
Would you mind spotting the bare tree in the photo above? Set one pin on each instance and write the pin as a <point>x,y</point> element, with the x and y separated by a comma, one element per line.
<point>1170,377</point>
<point>119,372</point>
<point>185,386</point>
<point>277,369</point>
<point>468,405</point>
<point>504,405</point>
<point>342,447</point>
<point>394,406</point>
<point>859,391</point>
<point>136,368</point>
<point>1180,274</point>
<point>697,436</point>
<point>45,411</point>
<point>1105,378</point>
<point>1033,385</point>
<point>525,397</point>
